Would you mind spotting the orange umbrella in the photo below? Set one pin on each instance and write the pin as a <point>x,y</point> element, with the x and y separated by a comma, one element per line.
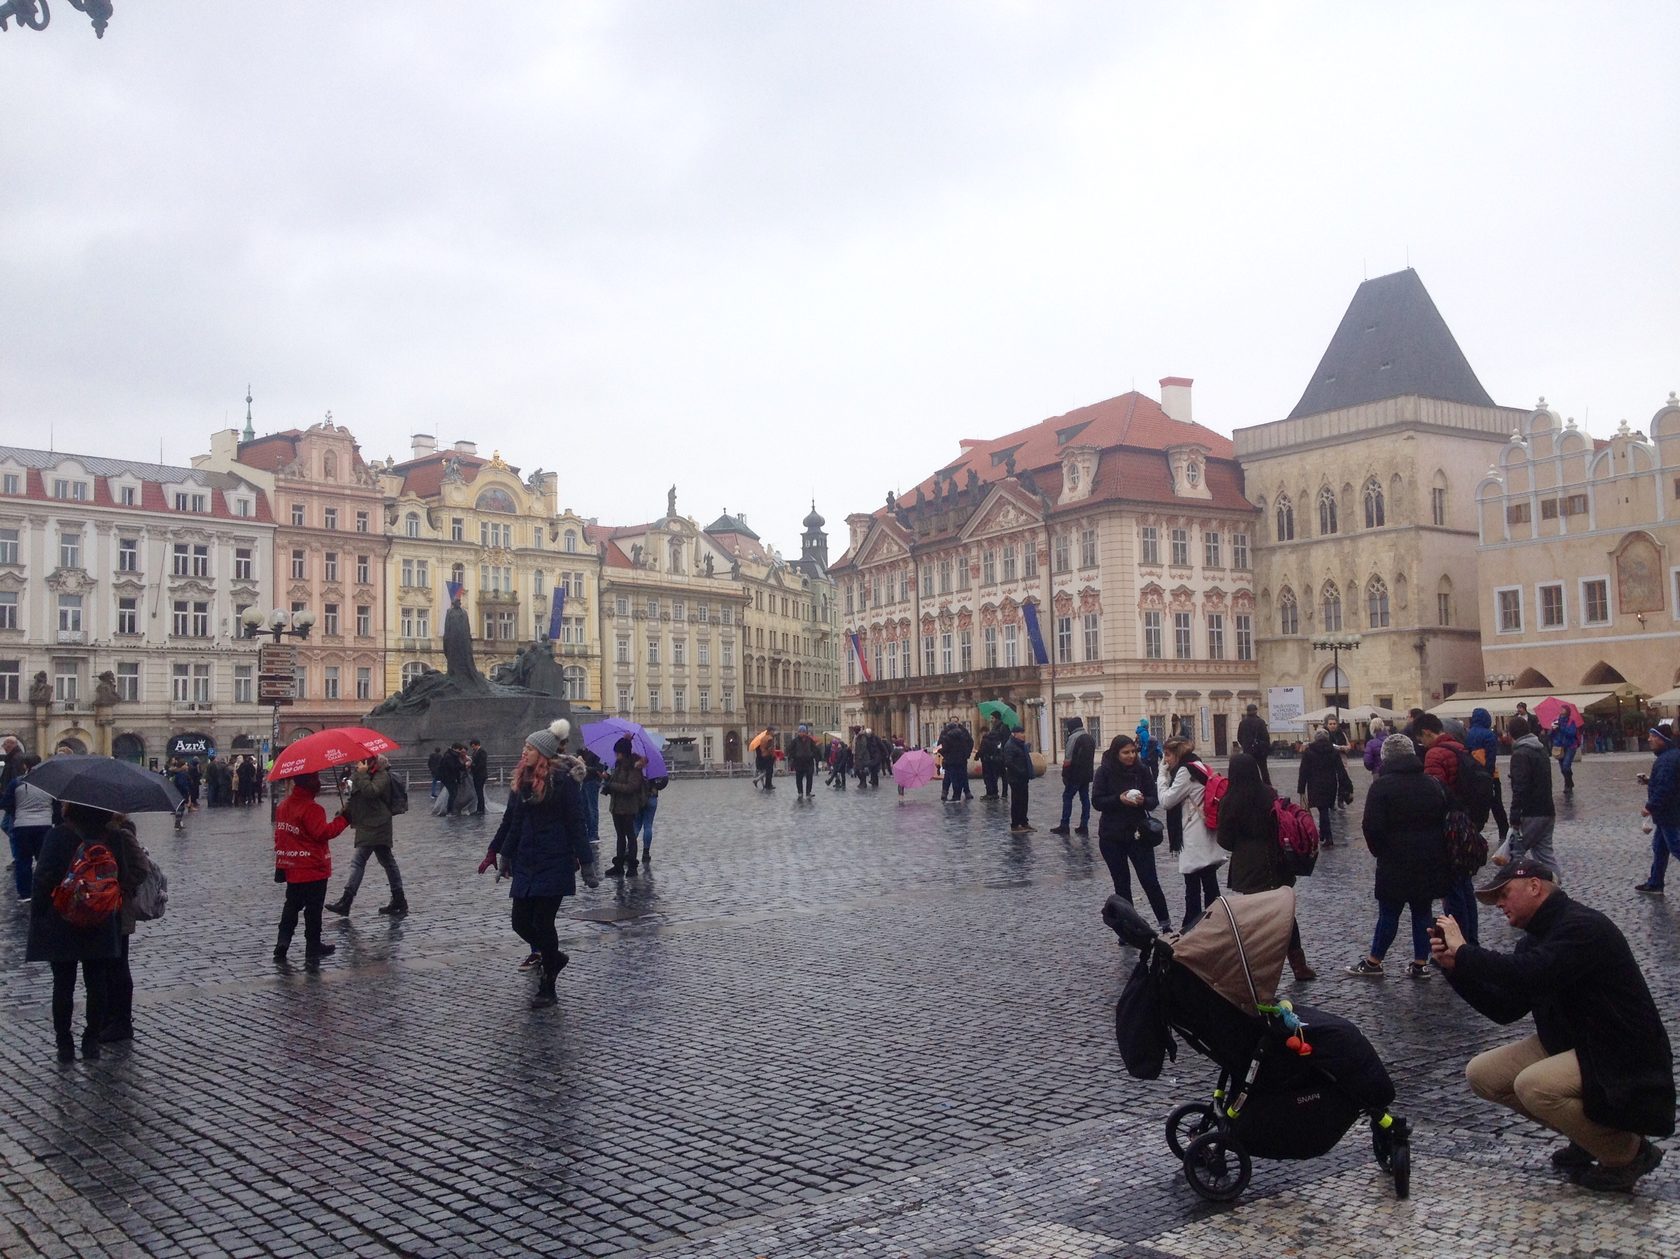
<point>760,740</point>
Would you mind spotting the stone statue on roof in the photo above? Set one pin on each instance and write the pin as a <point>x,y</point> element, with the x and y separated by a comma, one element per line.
<point>671,501</point>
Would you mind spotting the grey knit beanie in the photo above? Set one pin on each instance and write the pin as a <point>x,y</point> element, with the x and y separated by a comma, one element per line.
<point>552,741</point>
<point>1395,747</point>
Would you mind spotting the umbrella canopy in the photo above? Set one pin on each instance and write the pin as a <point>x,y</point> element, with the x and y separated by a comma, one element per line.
<point>103,782</point>
<point>914,769</point>
<point>329,749</point>
<point>1238,947</point>
<point>990,708</point>
<point>1349,713</point>
<point>760,741</point>
<point>1551,708</point>
<point>599,737</point>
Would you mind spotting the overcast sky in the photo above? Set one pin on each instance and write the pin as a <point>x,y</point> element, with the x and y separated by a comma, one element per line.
<point>766,251</point>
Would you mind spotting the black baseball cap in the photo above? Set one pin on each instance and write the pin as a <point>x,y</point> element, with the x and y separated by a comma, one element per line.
<point>1527,868</point>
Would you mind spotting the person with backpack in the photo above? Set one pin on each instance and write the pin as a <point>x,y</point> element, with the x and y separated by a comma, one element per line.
<point>1248,830</point>
<point>1566,738</point>
<point>1372,754</point>
<point>1322,781</point>
<point>1405,829</point>
<point>991,758</point>
<point>1078,769</point>
<point>117,1023</point>
<point>644,819</point>
<point>1533,813</point>
<point>1481,741</point>
<point>1123,794</point>
<point>802,759</point>
<point>1181,788</point>
<point>303,862</point>
<point>29,816</point>
<point>368,809</point>
<point>626,789</point>
<point>74,921</point>
<point>1469,790</point>
<point>956,745</point>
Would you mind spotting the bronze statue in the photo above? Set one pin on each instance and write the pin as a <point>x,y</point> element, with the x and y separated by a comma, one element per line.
<point>105,693</point>
<point>458,649</point>
<point>40,690</point>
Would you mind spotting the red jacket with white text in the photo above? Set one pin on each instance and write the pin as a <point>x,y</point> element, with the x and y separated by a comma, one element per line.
<point>301,832</point>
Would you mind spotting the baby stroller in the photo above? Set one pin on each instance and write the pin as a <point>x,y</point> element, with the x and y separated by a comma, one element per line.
<point>1292,1079</point>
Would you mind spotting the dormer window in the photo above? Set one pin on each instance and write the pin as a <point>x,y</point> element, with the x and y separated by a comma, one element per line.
<point>75,491</point>
<point>1192,473</point>
<point>127,495</point>
<point>187,501</point>
<point>12,483</point>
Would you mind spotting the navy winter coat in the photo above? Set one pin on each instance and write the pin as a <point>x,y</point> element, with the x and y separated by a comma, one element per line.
<point>1662,796</point>
<point>1405,829</point>
<point>1479,737</point>
<point>544,840</point>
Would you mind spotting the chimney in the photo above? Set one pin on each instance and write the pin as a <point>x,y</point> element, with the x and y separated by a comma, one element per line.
<point>424,444</point>
<point>1175,397</point>
<point>466,448</point>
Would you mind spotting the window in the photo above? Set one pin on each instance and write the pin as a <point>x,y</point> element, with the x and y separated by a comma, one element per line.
<point>679,653</point>
<point>297,515</point>
<point>703,648</point>
<point>653,609</point>
<point>1181,547</point>
<point>8,609</point>
<point>728,660</point>
<point>1376,603</point>
<point>729,699</point>
<point>989,647</point>
<point>180,683</point>
<point>1245,636</point>
<point>1152,635</point>
<point>679,610</point>
<point>8,546</point>
<point>361,522</point>
<point>67,680</point>
<point>1519,514</point>
<point>179,560</point>
<point>195,502</point>
<point>1550,599</point>
<point>11,674</point>
<point>200,620</point>
<point>964,574</point>
<point>416,573</point>
<point>927,582</point>
<point>1443,609</point>
<point>128,681</point>
<point>11,483</point>
<point>1285,519</point>
<point>1011,646</point>
<point>653,698</point>
<point>1216,636</point>
<point>243,564</point>
<point>1093,638</point>
<point>1595,601</point>
<point>329,566</point>
<point>679,698</point>
<point>128,554</point>
<point>1289,612</point>
<point>1210,550</point>
<point>928,669</point>
<point>202,684</point>
<point>1509,603</point>
<point>1009,573</point>
<point>364,682</point>
<point>458,531</point>
<point>329,684</point>
<point>362,570</point>
<point>653,650</point>
<point>1151,545</point>
<point>1438,505</point>
<point>569,541</point>
<point>128,616</point>
<point>411,671</point>
<point>988,567</point>
<point>1029,561</point>
<point>1374,504</point>
<point>76,491</point>
<point>1061,554</point>
<point>1239,550</point>
<point>69,548</point>
<point>411,524</point>
<point>300,564</point>
<point>1064,640</point>
<point>69,614</point>
<point>947,658</point>
<point>965,649</point>
<point>1326,512</point>
<point>364,620</point>
<point>181,618</point>
<point>201,560</point>
<point>1331,604</point>
<point>329,618</point>
<point>903,589</point>
<point>1182,643</point>
<point>330,518</point>
<point>536,537</point>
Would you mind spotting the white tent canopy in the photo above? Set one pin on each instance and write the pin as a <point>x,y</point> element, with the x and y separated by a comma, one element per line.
<point>1668,699</point>
<point>1347,713</point>
<point>1505,705</point>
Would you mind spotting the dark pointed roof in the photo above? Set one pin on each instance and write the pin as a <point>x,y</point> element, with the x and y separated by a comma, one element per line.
<point>1392,343</point>
<point>731,524</point>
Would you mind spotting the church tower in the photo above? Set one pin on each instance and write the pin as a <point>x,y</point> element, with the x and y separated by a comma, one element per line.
<point>814,542</point>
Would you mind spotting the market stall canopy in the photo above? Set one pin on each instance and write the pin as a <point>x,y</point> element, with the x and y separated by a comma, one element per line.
<point>1668,699</point>
<point>1349,712</point>
<point>1505,704</point>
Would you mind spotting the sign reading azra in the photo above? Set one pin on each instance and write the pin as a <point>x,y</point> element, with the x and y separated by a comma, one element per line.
<point>192,745</point>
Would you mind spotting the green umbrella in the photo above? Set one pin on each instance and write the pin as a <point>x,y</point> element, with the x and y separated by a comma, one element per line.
<point>990,708</point>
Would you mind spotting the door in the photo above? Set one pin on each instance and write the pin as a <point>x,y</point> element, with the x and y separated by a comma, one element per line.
<point>1219,723</point>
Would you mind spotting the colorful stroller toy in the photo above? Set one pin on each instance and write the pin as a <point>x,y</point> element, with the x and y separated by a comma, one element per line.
<point>1292,1079</point>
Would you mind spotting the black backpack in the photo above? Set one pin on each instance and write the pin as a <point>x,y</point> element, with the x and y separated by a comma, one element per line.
<point>1140,1024</point>
<point>398,799</point>
<point>1473,786</point>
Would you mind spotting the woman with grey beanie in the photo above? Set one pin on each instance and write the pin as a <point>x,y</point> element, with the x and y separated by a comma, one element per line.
<point>1405,829</point>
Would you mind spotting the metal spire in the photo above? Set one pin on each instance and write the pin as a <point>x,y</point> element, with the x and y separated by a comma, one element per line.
<point>250,433</point>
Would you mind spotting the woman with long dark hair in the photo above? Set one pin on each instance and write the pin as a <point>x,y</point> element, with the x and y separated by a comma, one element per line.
<point>1182,783</point>
<point>1248,830</point>
<point>1123,793</point>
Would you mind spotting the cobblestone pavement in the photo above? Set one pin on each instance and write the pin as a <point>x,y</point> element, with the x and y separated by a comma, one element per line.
<point>859,1026</point>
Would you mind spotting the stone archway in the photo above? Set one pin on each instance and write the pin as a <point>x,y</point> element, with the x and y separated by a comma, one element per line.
<point>732,747</point>
<point>73,740</point>
<point>129,747</point>
<point>1532,679</point>
<point>1602,674</point>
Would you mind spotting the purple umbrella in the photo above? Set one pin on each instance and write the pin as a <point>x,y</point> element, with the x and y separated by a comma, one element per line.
<point>599,737</point>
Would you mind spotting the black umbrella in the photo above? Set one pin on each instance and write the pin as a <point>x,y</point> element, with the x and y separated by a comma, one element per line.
<point>103,782</point>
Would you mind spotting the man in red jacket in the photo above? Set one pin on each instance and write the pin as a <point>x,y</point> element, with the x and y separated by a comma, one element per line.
<point>303,863</point>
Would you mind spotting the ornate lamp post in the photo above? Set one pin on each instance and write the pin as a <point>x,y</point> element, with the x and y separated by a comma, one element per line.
<point>276,623</point>
<point>35,14</point>
<point>1336,644</point>
<point>277,677</point>
<point>1500,681</point>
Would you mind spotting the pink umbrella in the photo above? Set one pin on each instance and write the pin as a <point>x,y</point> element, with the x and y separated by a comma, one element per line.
<point>914,769</point>
<point>1549,709</point>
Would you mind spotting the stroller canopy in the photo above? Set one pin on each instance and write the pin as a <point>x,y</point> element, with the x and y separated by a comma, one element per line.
<point>1239,946</point>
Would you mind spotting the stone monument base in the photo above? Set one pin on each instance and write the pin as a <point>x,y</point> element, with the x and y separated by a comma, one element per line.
<point>500,722</point>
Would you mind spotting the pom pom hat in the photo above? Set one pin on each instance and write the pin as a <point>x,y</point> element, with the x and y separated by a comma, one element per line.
<point>552,741</point>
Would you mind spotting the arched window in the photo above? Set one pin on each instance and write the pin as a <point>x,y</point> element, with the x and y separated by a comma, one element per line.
<point>1285,519</point>
<point>329,466</point>
<point>412,671</point>
<point>1376,603</point>
<point>1444,601</point>
<point>495,498</point>
<point>1326,512</point>
<point>1374,518</point>
<point>1334,684</point>
<point>458,574</point>
<point>1331,605</point>
<point>571,541</point>
<point>577,682</point>
<point>1289,612</point>
<point>411,524</point>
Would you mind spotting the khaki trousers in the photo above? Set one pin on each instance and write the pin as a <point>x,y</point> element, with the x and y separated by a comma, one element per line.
<point>1547,1089</point>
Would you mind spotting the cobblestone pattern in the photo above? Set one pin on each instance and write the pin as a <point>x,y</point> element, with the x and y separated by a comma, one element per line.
<point>855,1026</point>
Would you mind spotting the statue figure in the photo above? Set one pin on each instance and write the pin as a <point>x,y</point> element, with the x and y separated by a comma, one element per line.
<point>708,563</point>
<point>671,501</point>
<point>636,554</point>
<point>40,690</point>
<point>892,501</point>
<point>734,567</point>
<point>458,650</point>
<point>105,693</point>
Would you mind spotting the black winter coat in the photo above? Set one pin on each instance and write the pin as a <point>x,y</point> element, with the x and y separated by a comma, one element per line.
<point>1531,779</point>
<point>1079,767</point>
<point>991,746</point>
<point>1017,763</point>
<point>1405,829</point>
<point>1251,837</point>
<point>1574,972</point>
<point>1254,737</point>
<point>1323,779</point>
<point>1116,820</point>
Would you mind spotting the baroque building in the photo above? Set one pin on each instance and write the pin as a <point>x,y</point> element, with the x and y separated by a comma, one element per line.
<point>1579,553</point>
<point>121,589</point>
<point>1094,565</point>
<point>1367,509</point>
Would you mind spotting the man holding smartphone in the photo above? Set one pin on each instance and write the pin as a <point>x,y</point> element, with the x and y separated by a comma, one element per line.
<point>1598,1068</point>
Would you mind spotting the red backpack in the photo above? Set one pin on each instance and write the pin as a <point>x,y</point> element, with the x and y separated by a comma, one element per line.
<point>88,893</point>
<point>1214,787</point>
<point>1297,837</point>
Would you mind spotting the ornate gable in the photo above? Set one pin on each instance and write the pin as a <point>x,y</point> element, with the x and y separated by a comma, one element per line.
<point>1004,511</point>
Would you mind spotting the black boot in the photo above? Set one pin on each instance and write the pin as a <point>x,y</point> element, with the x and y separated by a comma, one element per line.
<point>66,1047</point>
<point>545,992</point>
<point>341,905</point>
<point>90,1045</point>
<point>281,945</point>
<point>316,949</point>
<point>398,908</point>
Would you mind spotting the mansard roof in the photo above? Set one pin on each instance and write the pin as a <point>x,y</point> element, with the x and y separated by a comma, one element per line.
<point>1392,343</point>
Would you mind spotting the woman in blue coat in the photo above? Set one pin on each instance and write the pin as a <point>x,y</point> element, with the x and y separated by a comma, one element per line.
<point>542,841</point>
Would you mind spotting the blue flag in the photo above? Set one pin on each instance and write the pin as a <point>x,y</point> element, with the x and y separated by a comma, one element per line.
<point>1035,635</point>
<point>454,589</point>
<point>559,606</point>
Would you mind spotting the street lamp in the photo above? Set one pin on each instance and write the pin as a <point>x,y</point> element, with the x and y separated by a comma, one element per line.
<point>275,623</point>
<point>1336,644</point>
<point>35,14</point>
<point>1500,681</point>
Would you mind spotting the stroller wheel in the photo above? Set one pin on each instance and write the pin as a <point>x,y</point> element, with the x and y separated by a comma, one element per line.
<point>1382,1144</point>
<point>1217,1166</point>
<point>1401,1166</point>
<point>1186,1123</point>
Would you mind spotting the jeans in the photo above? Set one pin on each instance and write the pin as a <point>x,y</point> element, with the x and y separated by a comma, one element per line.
<point>804,778</point>
<point>307,899</point>
<point>1460,902</point>
<point>1324,833</point>
<point>592,808</point>
<point>1665,842</point>
<point>1388,926</point>
<point>1139,851</point>
<point>644,823</point>
<point>1497,808</point>
<point>26,843</point>
<point>624,826</point>
<point>358,866</point>
<point>1547,1089</point>
<point>1018,804</point>
<point>1201,889</point>
<point>64,994</point>
<point>993,776</point>
<point>1566,767</point>
<point>955,786</point>
<point>533,922</point>
<point>1081,792</point>
<point>437,786</point>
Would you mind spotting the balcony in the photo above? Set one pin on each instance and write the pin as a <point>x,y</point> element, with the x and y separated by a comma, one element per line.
<point>191,706</point>
<point>72,636</point>
<point>976,681</point>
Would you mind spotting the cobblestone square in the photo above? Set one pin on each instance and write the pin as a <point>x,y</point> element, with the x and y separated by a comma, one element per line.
<point>864,1025</point>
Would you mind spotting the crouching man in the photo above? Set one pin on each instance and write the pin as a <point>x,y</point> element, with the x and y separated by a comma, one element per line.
<point>1598,1068</point>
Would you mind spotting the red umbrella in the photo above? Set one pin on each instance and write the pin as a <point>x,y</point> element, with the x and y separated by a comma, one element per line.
<point>328,750</point>
<point>1548,710</point>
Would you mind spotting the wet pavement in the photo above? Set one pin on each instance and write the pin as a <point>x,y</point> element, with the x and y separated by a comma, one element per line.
<point>859,1025</point>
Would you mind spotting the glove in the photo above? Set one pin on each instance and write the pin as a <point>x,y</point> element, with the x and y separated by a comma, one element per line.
<point>279,875</point>
<point>489,860</point>
<point>590,871</point>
